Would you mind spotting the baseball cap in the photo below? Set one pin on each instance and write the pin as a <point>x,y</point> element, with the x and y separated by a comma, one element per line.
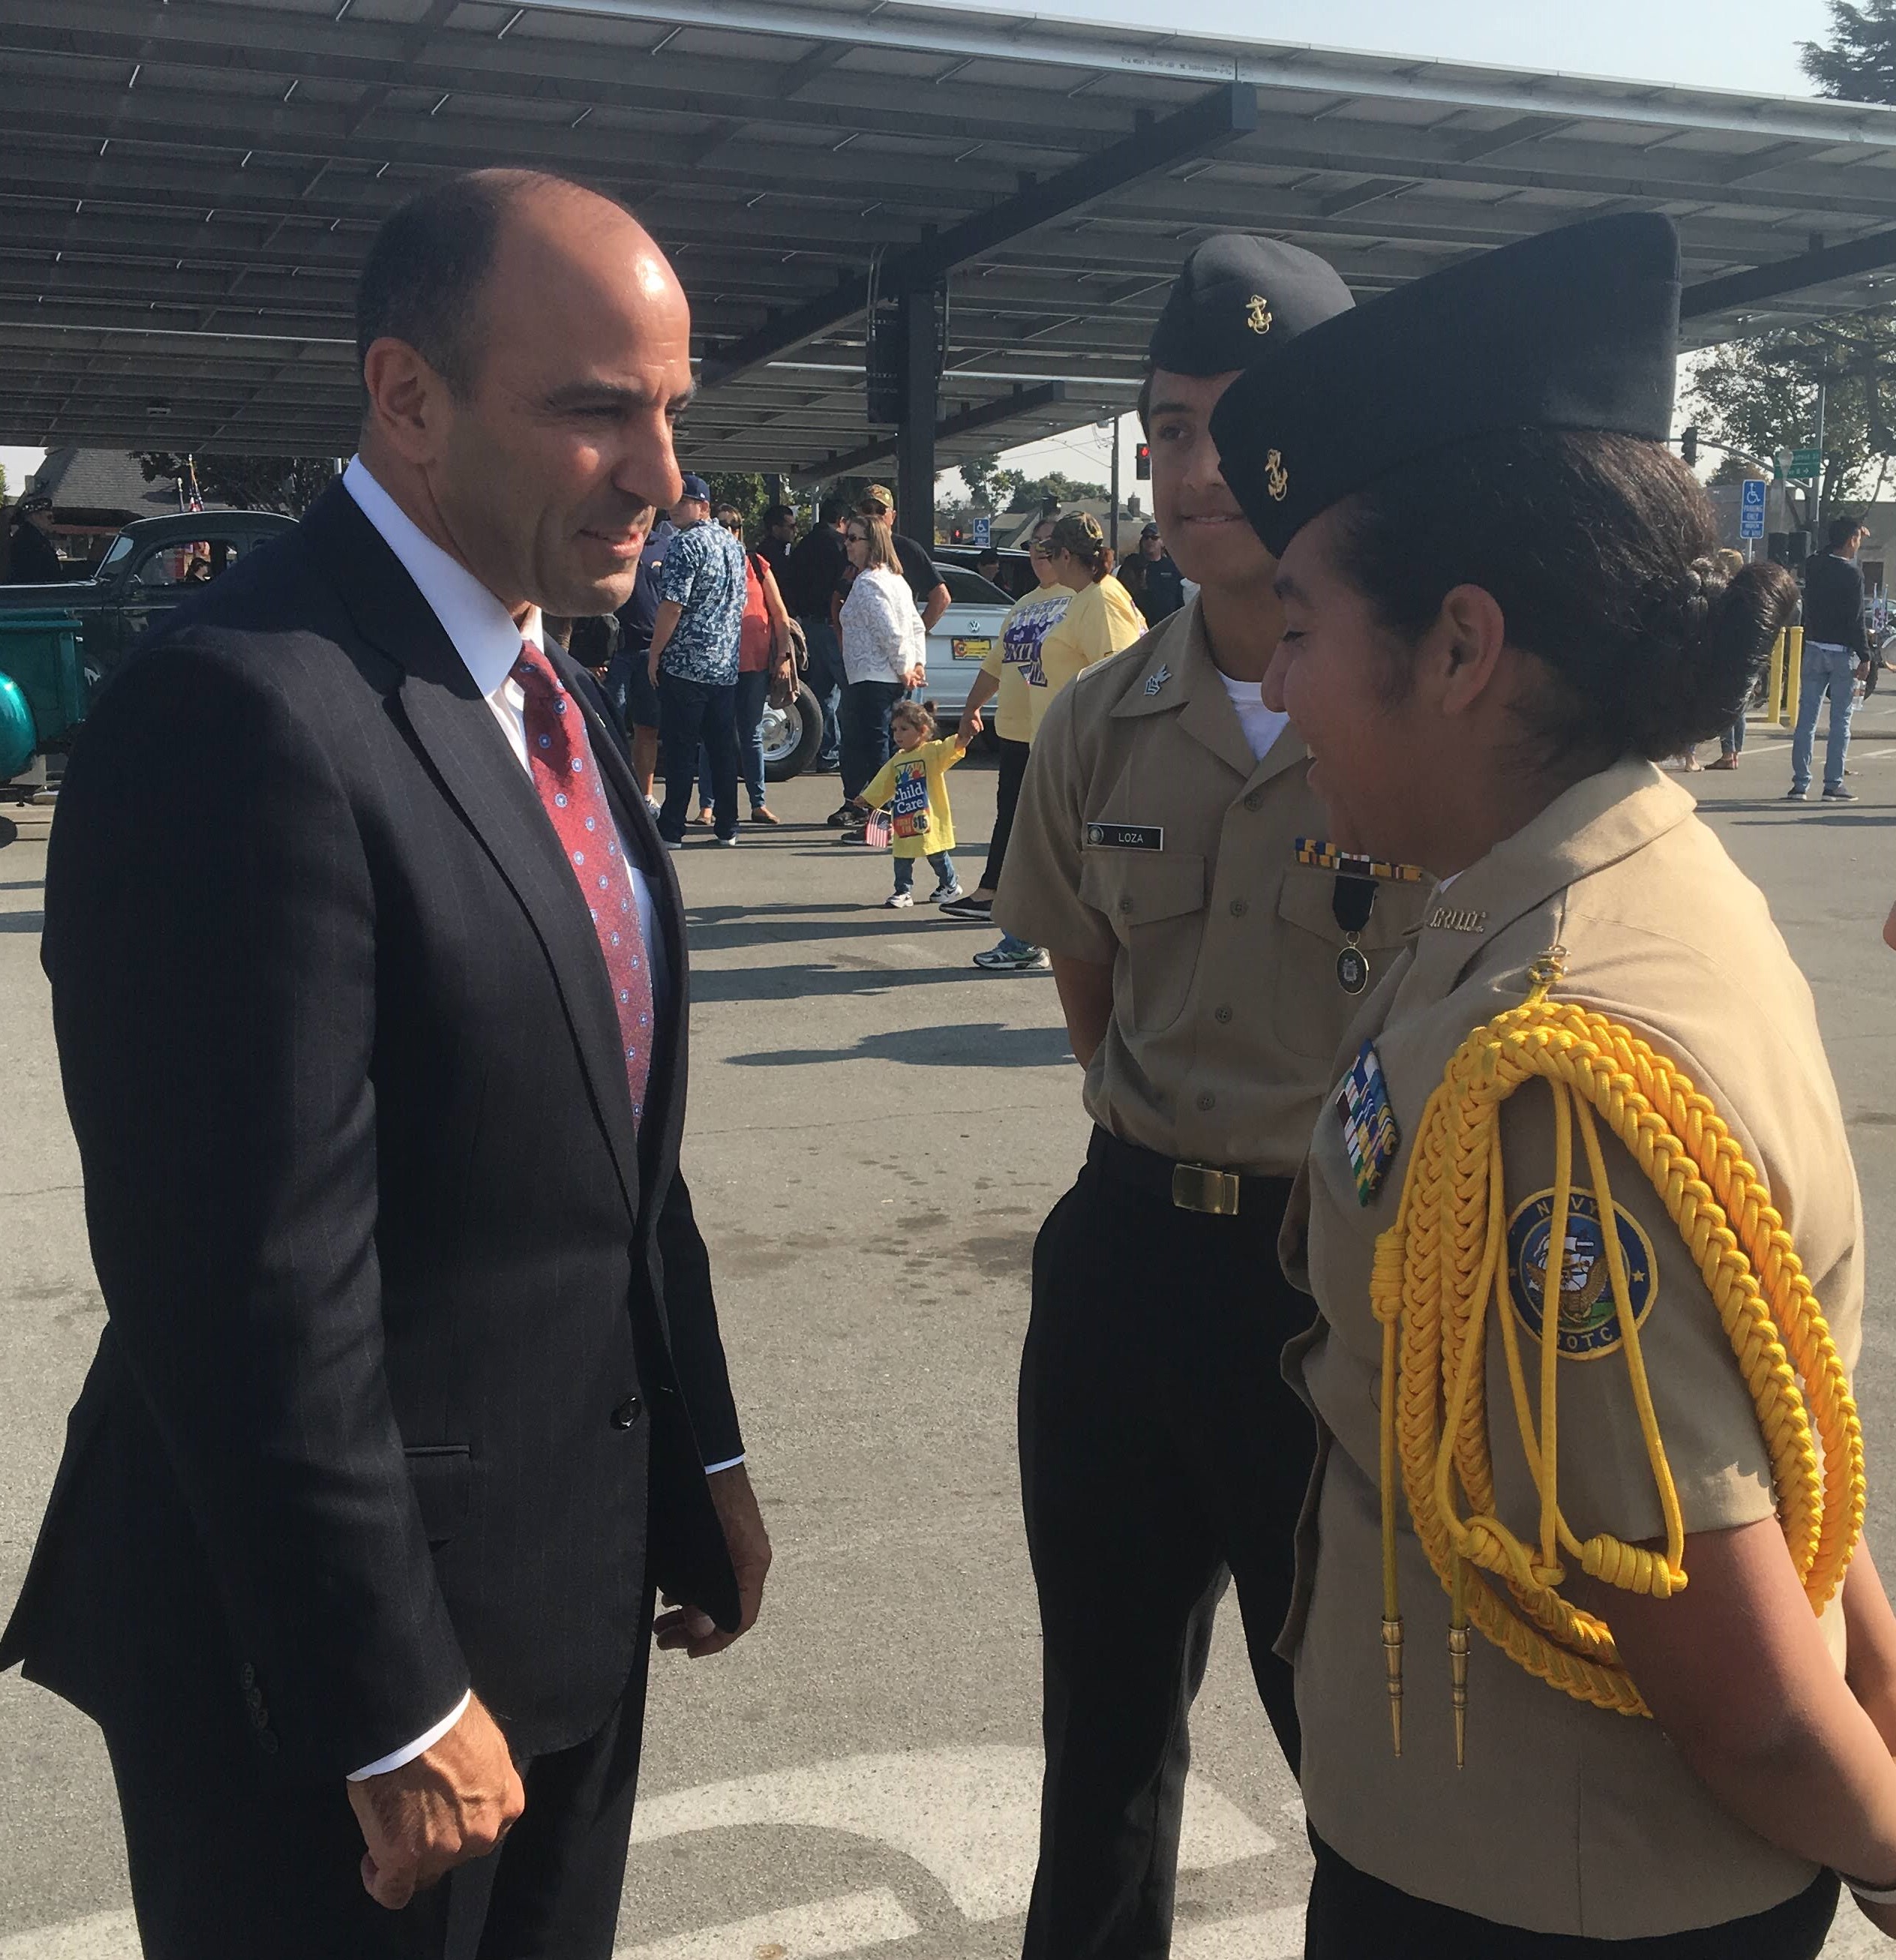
<point>879,495</point>
<point>696,488</point>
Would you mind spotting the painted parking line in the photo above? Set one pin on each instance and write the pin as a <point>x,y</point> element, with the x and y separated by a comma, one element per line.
<point>799,1933</point>
<point>970,1817</point>
<point>104,1936</point>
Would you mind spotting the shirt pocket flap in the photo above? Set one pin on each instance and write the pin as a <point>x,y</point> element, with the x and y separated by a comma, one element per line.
<point>1133,888</point>
<point>1308,898</point>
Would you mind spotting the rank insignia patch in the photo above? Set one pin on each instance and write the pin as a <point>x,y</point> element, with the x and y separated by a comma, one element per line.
<point>1257,314</point>
<point>1588,1322</point>
<point>1158,680</point>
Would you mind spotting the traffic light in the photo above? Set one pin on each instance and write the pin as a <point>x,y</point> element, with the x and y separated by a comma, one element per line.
<point>1142,462</point>
<point>1688,448</point>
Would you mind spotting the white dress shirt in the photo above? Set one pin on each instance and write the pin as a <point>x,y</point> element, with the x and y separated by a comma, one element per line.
<point>485,635</point>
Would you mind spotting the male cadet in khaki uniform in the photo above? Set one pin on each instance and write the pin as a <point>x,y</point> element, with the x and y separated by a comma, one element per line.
<point>1210,949</point>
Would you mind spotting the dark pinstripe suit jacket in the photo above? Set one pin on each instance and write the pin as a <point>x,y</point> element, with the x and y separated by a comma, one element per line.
<point>412,1365</point>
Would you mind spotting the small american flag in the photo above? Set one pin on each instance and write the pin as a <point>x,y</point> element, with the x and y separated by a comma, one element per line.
<point>876,831</point>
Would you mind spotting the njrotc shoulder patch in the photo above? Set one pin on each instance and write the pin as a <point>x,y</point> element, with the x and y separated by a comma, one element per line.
<point>1588,1324</point>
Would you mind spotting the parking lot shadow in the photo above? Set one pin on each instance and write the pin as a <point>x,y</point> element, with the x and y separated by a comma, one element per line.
<point>985,1045</point>
<point>22,921</point>
<point>804,983</point>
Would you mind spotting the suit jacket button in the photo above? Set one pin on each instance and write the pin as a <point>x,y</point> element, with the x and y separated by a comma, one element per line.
<point>627,1413</point>
<point>246,1675</point>
<point>266,1741</point>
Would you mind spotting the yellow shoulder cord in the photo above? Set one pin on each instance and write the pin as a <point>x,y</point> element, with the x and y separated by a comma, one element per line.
<point>1441,1267</point>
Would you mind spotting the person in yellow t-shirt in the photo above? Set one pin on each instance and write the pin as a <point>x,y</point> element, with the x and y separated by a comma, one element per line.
<point>913,781</point>
<point>1100,619</point>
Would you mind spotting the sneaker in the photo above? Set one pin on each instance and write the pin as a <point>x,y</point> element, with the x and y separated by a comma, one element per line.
<point>1794,794</point>
<point>897,902</point>
<point>761,812</point>
<point>1029,960</point>
<point>844,815</point>
<point>854,834</point>
<point>731,839</point>
<point>1839,794</point>
<point>820,767</point>
<point>967,906</point>
<point>944,894</point>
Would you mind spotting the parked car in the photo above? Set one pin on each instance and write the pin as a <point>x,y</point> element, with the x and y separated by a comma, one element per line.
<point>1016,566</point>
<point>956,648</point>
<point>58,641</point>
<point>149,568</point>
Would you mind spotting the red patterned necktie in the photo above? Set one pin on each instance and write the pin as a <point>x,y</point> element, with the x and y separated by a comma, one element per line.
<point>560,759</point>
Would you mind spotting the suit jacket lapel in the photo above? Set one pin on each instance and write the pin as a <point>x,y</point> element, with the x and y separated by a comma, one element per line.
<point>457,732</point>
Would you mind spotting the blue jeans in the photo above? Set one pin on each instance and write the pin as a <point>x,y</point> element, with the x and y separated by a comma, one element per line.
<point>1831,671</point>
<point>864,714</point>
<point>942,861</point>
<point>1732,741</point>
<point>825,682</point>
<point>747,717</point>
<point>690,712</point>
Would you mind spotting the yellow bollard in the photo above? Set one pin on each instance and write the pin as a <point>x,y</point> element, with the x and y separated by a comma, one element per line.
<point>1794,675</point>
<point>1774,683</point>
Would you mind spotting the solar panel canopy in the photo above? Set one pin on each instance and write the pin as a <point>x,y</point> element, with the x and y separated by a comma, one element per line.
<point>190,187</point>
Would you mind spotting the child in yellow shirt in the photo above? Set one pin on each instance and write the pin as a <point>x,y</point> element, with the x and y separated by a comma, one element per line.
<point>913,781</point>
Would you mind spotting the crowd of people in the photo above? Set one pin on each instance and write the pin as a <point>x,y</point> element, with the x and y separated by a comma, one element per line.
<point>1418,1015</point>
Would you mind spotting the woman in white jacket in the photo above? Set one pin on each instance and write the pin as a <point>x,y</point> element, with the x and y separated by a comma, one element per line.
<point>885,653</point>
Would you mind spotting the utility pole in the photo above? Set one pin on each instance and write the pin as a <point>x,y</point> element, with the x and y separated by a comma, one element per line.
<point>1823,468</point>
<point>1112,527</point>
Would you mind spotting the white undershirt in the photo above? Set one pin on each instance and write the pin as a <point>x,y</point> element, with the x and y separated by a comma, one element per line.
<point>1261,725</point>
<point>489,641</point>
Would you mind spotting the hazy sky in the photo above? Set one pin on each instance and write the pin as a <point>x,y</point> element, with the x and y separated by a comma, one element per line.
<point>1746,44</point>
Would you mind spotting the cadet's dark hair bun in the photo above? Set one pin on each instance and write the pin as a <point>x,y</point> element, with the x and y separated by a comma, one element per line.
<point>1602,553</point>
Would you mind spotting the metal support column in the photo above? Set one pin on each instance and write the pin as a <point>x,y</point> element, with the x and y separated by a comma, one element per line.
<point>915,432</point>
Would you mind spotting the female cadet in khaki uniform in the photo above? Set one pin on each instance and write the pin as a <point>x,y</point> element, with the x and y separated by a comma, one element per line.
<point>1157,854</point>
<point>1622,1589</point>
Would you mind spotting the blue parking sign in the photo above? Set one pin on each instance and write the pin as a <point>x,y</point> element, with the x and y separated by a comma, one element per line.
<point>984,530</point>
<point>1750,509</point>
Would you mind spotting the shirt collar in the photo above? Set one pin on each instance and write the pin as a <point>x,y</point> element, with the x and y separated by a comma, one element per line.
<point>480,627</point>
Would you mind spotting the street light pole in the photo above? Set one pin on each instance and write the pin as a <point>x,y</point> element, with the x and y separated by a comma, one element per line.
<point>1823,468</point>
<point>1112,526</point>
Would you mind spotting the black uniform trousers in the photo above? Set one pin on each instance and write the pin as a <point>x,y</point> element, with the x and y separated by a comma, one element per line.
<point>1353,1916</point>
<point>229,1862</point>
<point>1160,1451</point>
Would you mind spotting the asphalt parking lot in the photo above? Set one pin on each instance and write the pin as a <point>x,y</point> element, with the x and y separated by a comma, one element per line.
<point>877,1129</point>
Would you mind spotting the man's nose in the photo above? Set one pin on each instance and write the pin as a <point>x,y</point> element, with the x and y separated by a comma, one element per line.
<point>649,471</point>
<point>1273,688</point>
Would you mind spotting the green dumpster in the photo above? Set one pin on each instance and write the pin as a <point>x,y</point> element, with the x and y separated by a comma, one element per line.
<point>39,655</point>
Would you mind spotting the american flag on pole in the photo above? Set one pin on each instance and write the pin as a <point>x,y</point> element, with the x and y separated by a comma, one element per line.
<point>876,830</point>
<point>191,469</point>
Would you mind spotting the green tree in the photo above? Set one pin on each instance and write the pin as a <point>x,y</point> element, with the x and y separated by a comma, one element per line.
<point>1858,63</point>
<point>1756,396</point>
<point>1029,492</point>
<point>287,484</point>
<point>978,473</point>
<point>743,489</point>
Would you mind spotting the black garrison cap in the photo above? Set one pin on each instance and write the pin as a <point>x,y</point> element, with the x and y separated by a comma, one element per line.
<point>1576,329</point>
<point>1237,299</point>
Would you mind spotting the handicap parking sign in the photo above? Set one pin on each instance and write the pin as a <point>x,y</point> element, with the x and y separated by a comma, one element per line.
<point>1750,509</point>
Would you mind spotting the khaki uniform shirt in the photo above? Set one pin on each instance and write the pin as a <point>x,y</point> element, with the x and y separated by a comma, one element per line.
<point>1567,1819</point>
<point>1149,839</point>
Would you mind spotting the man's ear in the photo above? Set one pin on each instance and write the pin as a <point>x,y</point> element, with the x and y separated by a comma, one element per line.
<point>408,400</point>
<point>1463,649</point>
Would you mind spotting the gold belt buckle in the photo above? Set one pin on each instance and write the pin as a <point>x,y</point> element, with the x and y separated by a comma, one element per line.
<point>1199,1188</point>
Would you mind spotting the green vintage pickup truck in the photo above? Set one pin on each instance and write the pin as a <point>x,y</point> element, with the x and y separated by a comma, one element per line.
<point>59,642</point>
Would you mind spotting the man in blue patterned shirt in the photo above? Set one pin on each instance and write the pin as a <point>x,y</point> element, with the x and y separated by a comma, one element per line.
<point>693,661</point>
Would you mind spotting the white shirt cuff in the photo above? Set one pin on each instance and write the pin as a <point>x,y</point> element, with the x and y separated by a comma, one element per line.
<point>394,1760</point>
<point>731,1463</point>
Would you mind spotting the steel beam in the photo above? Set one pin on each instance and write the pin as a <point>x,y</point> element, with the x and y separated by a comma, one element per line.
<point>1849,260</point>
<point>970,421</point>
<point>1204,126</point>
